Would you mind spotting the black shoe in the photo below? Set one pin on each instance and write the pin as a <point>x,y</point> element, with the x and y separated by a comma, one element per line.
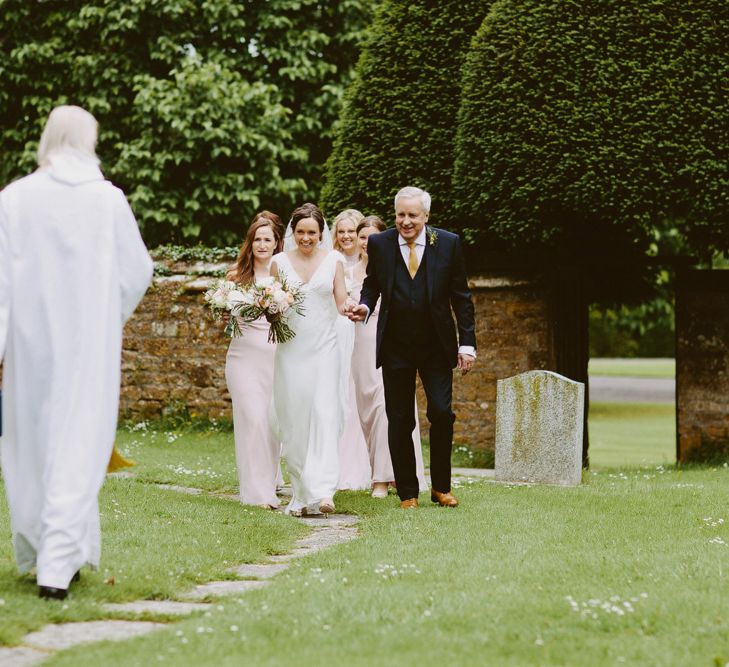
<point>50,593</point>
<point>76,577</point>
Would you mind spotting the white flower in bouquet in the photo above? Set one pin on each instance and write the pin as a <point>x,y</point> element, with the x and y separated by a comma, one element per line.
<point>217,295</point>
<point>269,297</point>
<point>249,297</point>
<point>280,298</point>
<point>235,297</point>
<point>219,299</point>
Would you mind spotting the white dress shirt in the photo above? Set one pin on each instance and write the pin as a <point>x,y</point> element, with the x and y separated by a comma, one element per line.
<point>419,247</point>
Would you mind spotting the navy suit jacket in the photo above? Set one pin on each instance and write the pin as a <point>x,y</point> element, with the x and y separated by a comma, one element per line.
<point>446,282</point>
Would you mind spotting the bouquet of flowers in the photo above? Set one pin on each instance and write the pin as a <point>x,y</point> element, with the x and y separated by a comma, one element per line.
<point>271,298</point>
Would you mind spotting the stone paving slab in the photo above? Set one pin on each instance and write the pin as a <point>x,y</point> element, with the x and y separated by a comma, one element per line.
<point>190,490</point>
<point>217,588</point>
<point>323,538</point>
<point>286,558</point>
<point>56,637</point>
<point>157,607</point>
<point>258,570</point>
<point>333,520</point>
<point>20,656</point>
<point>122,474</point>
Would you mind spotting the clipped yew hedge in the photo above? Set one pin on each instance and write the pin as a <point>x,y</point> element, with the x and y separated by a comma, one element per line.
<point>598,126</point>
<point>398,126</point>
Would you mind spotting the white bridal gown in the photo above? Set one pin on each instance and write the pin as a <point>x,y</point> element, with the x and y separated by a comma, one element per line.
<point>309,388</point>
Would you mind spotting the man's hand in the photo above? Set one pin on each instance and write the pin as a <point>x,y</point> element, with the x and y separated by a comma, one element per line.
<point>347,306</point>
<point>465,363</point>
<point>358,313</point>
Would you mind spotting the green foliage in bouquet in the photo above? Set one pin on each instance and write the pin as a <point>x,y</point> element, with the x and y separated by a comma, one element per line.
<point>398,125</point>
<point>273,299</point>
<point>598,127</point>
<point>208,111</point>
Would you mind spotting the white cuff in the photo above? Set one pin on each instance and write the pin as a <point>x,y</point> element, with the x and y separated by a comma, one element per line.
<point>467,349</point>
<point>367,317</point>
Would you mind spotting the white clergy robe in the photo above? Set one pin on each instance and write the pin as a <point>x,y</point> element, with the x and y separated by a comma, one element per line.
<point>73,268</point>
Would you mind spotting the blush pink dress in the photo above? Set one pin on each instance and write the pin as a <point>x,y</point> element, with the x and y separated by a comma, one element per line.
<point>249,374</point>
<point>370,399</point>
<point>354,461</point>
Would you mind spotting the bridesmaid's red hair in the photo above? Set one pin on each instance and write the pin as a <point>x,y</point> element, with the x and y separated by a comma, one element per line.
<point>242,271</point>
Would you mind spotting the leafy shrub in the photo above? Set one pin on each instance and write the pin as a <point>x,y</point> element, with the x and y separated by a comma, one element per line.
<point>647,330</point>
<point>207,110</point>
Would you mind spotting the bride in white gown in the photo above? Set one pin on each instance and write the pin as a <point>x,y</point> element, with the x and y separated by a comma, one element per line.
<point>307,369</point>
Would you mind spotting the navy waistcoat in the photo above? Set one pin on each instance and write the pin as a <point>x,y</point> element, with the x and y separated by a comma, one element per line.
<point>409,323</point>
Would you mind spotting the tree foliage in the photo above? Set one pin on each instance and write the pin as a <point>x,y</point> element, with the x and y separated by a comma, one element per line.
<point>207,110</point>
<point>598,126</point>
<point>398,126</point>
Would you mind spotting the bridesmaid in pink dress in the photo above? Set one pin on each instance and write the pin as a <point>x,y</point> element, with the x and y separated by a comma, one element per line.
<point>369,390</point>
<point>354,463</point>
<point>249,374</point>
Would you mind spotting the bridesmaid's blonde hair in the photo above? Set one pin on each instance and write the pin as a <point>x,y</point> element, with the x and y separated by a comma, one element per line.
<point>349,215</point>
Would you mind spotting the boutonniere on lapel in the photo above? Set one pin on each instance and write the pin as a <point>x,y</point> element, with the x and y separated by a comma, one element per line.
<point>432,236</point>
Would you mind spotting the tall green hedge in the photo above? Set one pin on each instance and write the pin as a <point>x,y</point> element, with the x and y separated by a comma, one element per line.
<point>598,126</point>
<point>398,126</point>
<point>207,110</point>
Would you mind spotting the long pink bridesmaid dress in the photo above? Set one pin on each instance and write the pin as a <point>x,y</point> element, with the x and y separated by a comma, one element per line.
<point>354,461</point>
<point>249,374</point>
<point>370,399</point>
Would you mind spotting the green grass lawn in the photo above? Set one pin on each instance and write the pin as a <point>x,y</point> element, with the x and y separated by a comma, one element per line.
<point>627,434</point>
<point>186,457</point>
<point>629,568</point>
<point>649,368</point>
<point>156,543</point>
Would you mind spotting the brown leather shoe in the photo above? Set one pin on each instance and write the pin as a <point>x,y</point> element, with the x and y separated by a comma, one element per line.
<point>409,504</point>
<point>443,499</point>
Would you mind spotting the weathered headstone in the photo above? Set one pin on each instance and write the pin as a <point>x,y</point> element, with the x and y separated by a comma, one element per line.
<point>539,422</point>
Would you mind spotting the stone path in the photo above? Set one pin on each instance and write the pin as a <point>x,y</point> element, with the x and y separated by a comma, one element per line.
<point>37,646</point>
<point>325,532</point>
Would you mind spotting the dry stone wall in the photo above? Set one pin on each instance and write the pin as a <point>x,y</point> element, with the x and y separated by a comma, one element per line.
<point>174,353</point>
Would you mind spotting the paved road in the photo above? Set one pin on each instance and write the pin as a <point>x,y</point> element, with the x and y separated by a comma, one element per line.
<point>605,389</point>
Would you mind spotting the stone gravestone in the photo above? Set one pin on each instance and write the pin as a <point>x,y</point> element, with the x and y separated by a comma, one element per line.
<point>539,422</point>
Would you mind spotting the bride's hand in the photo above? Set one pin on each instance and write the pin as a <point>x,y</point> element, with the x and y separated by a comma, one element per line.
<point>347,306</point>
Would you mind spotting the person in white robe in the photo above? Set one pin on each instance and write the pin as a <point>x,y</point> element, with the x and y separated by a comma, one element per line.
<point>73,268</point>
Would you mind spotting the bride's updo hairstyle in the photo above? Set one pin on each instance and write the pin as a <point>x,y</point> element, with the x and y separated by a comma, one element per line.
<point>243,271</point>
<point>308,210</point>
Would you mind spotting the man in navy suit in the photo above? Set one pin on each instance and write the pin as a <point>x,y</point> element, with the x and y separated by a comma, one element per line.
<point>419,273</point>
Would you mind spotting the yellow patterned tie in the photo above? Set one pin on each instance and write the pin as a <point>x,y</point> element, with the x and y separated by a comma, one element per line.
<point>413,262</point>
